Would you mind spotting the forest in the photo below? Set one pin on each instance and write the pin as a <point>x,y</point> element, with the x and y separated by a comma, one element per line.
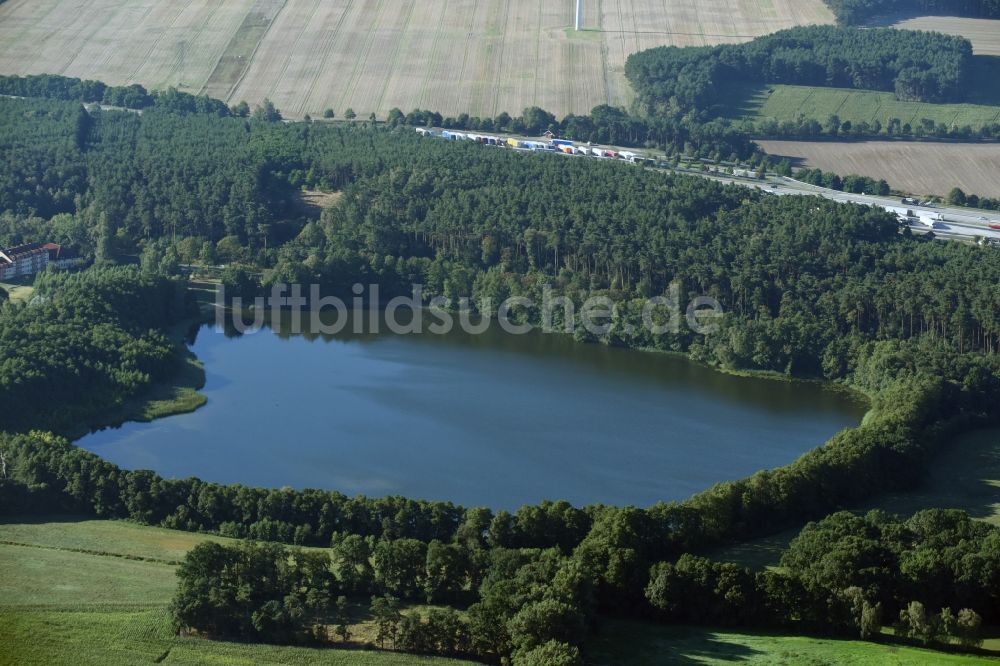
<point>856,12</point>
<point>811,289</point>
<point>135,96</point>
<point>917,66</point>
<point>88,342</point>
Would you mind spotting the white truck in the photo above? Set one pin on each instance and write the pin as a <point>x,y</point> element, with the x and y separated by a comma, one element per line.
<point>930,219</point>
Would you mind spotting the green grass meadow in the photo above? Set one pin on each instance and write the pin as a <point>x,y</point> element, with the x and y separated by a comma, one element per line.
<point>628,643</point>
<point>18,293</point>
<point>95,592</point>
<point>964,475</point>
<point>129,636</point>
<point>782,102</point>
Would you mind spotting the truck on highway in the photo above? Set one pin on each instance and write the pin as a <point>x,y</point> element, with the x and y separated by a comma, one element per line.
<point>901,212</point>
<point>995,225</point>
<point>930,219</point>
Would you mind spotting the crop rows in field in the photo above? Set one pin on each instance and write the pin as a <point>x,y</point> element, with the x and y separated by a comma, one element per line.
<point>456,56</point>
<point>983,33</point>
<point>912,166</point>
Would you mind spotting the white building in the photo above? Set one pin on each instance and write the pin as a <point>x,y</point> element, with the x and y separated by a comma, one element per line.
<point>29,259</point>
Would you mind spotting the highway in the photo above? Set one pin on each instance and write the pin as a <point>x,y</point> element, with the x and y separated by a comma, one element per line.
<point>961,224</point>
<point>958,223</point>
<point>954,223</point>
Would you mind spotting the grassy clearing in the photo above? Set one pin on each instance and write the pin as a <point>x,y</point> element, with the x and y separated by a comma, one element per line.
<point>455,56</point>
<point>623,643</point>
<point>112,637</point>
<point>781,102</point>
<point>966,475</point>
<point>114,537</point>
<point>18,293</point>
<point>60,578</point>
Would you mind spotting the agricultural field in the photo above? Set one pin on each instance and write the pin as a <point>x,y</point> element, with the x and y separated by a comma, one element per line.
<point>983,33</point>
<point>128,635</point>
<point>642,644</point>
<point>782,102</point>
<point>96,592</point>
<point>911,166</point>
<point>453,56</point>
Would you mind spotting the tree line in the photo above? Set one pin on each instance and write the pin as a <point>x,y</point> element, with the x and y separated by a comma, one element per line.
<point>134,96</point>
<point>851,575</point>
<point>846,575</point>
<point>803,127</point>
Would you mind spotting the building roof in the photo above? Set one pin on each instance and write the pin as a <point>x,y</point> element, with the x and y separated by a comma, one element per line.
<point>12,254</point>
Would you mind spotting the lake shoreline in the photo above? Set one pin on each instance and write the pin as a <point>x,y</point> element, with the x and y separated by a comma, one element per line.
<point>443,394</point>
<point>173,396</point>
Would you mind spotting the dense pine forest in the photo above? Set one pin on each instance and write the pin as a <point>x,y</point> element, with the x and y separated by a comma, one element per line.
<point>855,12</point>
<point>811,289</point>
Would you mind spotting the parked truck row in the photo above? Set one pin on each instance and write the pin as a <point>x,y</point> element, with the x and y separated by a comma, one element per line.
<point>563,146</point>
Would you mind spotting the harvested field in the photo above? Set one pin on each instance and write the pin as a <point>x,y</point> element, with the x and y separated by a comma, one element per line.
<point>917,167</point>
<point>983,33</point>
<point>474,56</point>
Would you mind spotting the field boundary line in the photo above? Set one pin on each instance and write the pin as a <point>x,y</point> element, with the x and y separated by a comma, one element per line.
<point>87,551</point>
<point>362,55</point>
<point>109,53</point>
<point>878,108</point>
<point>183,52</point>
<point>290,51</point>
<point>605,52</point>
<point>253,54</point>
<point>432,60</point>
<point>96,607</point>
<point>328,48</point>
<point>404,36</point>
<point>840,106</point>
<point>538,59</point>
<point>155,43</point>
<point>500,57</point>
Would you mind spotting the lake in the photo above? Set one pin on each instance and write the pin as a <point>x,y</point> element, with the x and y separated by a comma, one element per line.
<point>492,420</point>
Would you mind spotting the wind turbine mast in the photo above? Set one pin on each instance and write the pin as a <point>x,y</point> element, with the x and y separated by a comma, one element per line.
<point>579,14</point>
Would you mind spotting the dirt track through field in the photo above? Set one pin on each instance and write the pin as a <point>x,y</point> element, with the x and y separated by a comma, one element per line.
<point>456,56</point>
